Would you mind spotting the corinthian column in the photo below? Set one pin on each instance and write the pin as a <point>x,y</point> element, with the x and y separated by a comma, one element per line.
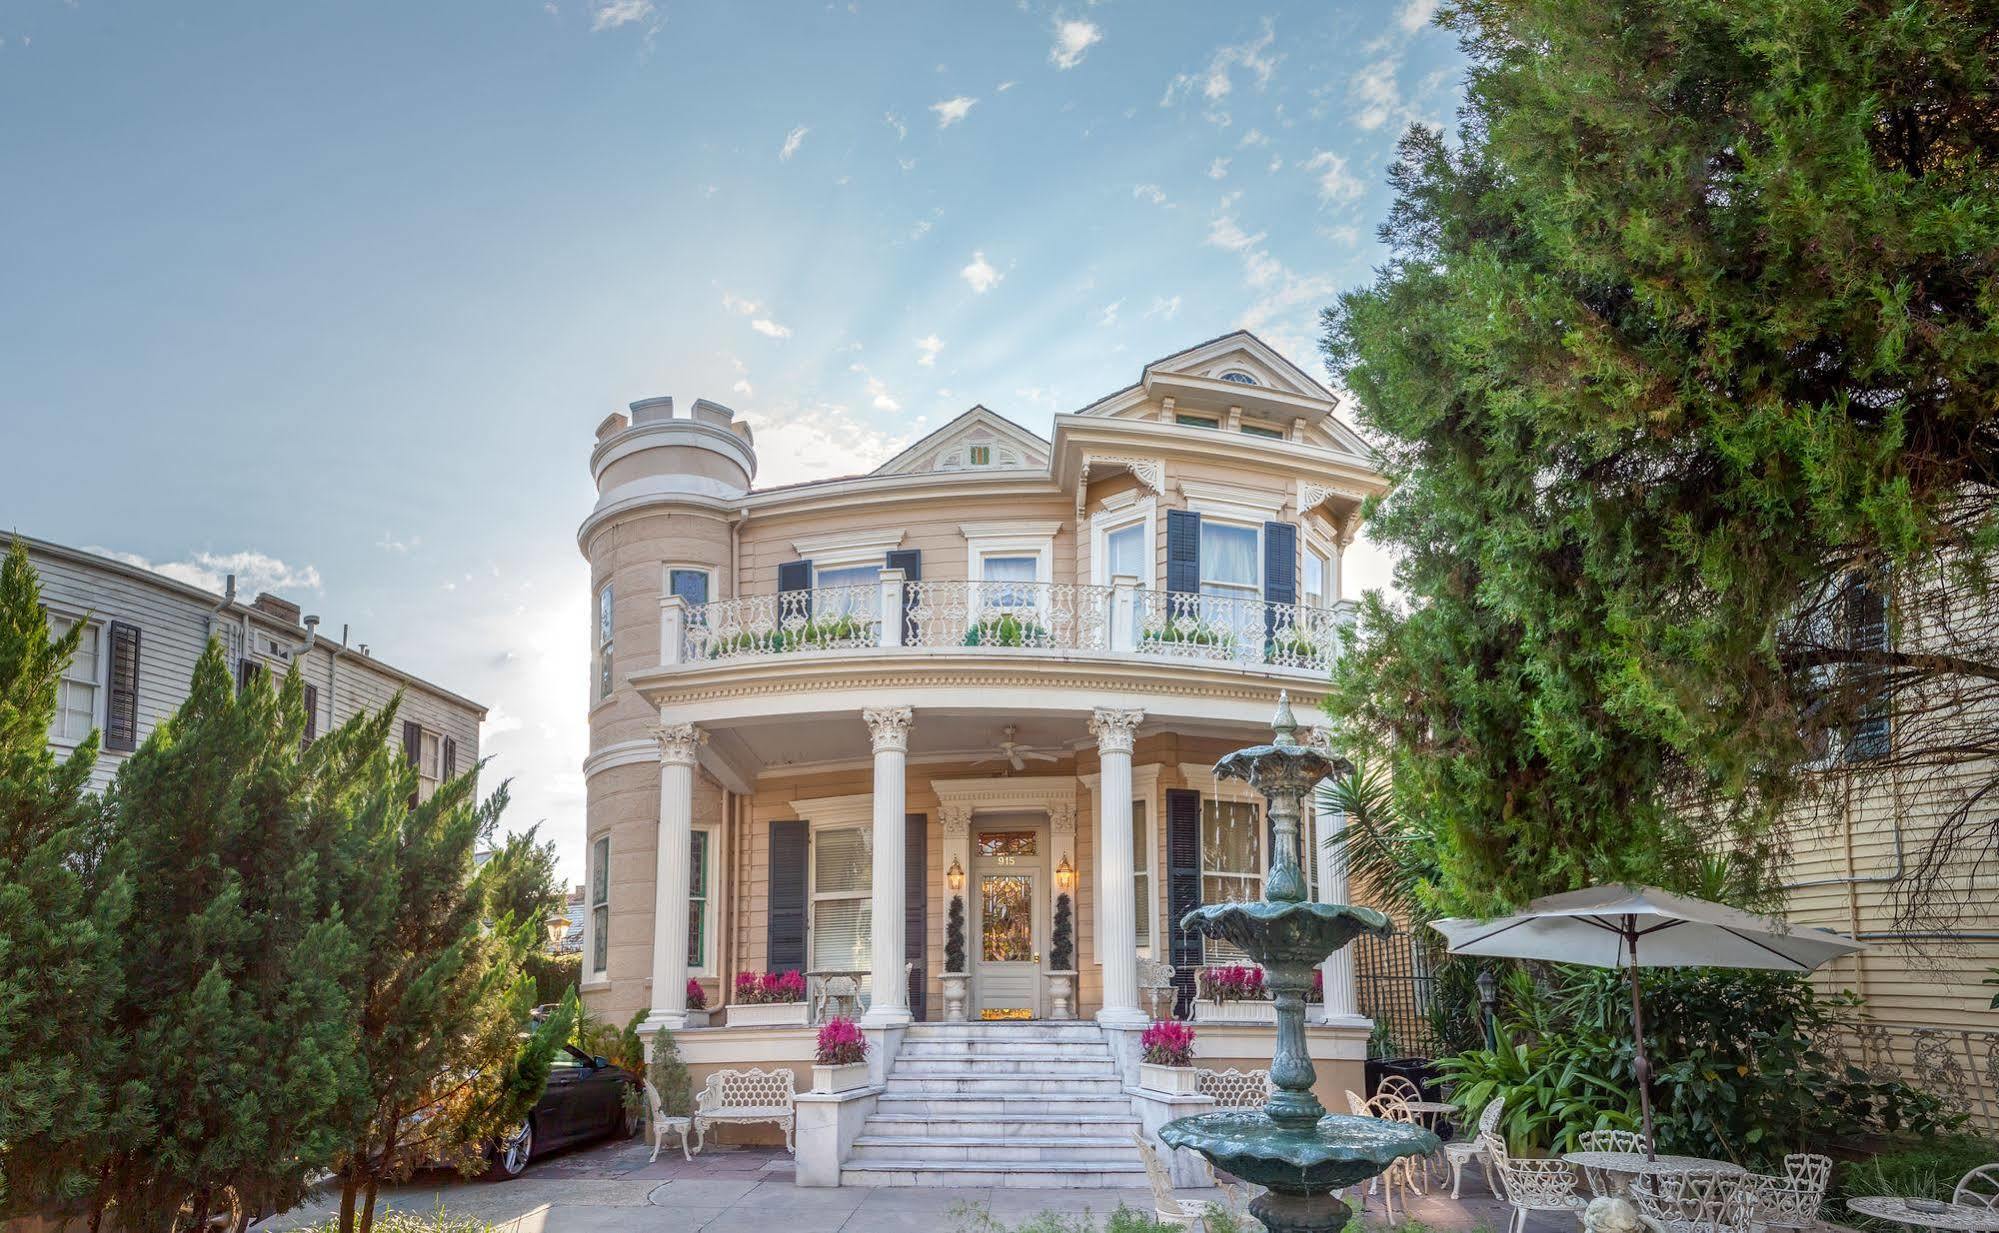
<point>889,1005</point>
<point>678,744</point>
<point>1118,947</point>
<point>1341,1006</point>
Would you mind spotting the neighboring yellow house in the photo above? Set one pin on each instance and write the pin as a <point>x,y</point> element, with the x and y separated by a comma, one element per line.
<point>997,667</point>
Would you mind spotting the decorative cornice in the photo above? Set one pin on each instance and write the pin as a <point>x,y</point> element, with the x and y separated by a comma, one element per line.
<point>1115,729</point>
<point>889,726</point>
<point>624,753</point>
<point>1049,794</point>
<point>1149,472</point>
<point>679,744</point>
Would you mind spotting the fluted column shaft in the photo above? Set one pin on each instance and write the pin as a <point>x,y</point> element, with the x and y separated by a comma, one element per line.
<point>1118,947</point>
<point>1341,1004</point>
<point>889,1003</point>
<point>678,745</point>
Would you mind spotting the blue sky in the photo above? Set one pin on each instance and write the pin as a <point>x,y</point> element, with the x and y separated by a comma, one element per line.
<point>333,295</point>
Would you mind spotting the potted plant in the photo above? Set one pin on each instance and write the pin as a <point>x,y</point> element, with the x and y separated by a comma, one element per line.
<point>1166,1060</point>
<point>955,979</point>
<point>1062,961</point>
<point>767,999</point>
<point>840,1063</point>
<point>697,1004</point>
<point>1234,993</point>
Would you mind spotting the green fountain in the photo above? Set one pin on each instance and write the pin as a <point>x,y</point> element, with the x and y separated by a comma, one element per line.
<point>1291,1146</point>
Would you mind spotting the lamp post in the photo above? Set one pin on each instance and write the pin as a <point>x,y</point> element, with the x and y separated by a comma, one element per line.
<point>1488,998</point>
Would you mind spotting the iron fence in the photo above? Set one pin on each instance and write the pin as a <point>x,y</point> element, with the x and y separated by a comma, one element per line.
<point>1395,982</point>
<point>1958,1065</point>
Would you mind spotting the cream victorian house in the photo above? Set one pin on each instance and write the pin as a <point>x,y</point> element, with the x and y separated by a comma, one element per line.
<point>996,668</point>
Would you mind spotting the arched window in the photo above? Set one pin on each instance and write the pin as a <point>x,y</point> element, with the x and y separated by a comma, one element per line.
<point>1239,377</point>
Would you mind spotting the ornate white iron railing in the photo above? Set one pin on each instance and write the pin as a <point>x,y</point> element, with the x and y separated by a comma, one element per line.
<point>1030,616</point>
<point>1959,1065</point>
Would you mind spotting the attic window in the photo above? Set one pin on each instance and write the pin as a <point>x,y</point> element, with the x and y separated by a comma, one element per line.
<point>982,455</point>
<point>1239,377</point>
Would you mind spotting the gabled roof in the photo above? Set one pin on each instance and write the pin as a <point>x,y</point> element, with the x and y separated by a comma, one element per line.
<point>1236,351</point>
<point>1014,448</point>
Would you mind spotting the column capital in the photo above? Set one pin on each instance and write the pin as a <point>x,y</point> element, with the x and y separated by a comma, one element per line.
<point>1114,729</point>
<point>956,820</point>
<point>1062,819</point>
<point>679,743</point>
<point>890,727</point>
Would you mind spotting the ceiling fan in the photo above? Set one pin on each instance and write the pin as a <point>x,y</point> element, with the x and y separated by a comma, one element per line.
<point>1016,753</point>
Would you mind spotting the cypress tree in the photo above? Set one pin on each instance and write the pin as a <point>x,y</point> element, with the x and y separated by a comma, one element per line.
<point>61,908</point>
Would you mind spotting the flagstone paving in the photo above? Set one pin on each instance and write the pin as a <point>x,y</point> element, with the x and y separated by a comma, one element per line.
<point>612,1188</point>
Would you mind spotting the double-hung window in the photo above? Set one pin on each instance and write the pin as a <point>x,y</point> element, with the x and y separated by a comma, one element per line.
<point>1315,589</point>
<point>1141,875</point>
<point>1125,553</point>
<point>1231,862</point>
<point>76,698</point>
<point>600,904</point>
<point>842,891</point>
<point>429,764</point>
<point>847,591</point>
<point>1229,558</point>
<point>697,901</point>
<point>604,602</point>
<point>1009,582</point>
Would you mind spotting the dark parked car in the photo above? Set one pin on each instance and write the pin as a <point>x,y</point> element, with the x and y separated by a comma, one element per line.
<point>585,1099</point>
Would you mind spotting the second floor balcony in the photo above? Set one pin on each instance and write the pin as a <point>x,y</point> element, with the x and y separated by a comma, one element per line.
<point>1046,619</point>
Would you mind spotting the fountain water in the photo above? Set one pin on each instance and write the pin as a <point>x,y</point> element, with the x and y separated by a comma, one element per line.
<point>1292,1145</point>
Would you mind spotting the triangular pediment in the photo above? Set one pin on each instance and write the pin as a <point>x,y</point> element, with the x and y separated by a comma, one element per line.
<point>1239,358</point>
<point>979,440</point>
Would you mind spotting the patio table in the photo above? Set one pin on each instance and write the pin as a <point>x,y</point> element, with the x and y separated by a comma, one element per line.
<point>1627,1165</point>
<point>1956,1217</point>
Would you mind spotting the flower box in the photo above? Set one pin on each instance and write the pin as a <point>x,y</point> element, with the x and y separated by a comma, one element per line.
<point>841,1078</point>
<point>768,1014</point>
<point>698,1018</point>
<point>1178,1080</point>
<point>1240,1010</point>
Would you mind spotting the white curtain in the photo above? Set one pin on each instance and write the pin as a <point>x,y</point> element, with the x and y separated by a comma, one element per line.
<point>842,896</point>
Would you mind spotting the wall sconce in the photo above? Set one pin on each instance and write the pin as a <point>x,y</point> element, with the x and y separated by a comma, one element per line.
<point>1065,874</point>
<point>954,877</point>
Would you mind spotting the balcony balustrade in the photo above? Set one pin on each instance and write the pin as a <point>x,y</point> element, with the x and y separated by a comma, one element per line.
<point>1029,618</point>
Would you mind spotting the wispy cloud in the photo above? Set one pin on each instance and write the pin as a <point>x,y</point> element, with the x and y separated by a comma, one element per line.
<point>980,275</point>
<point>1215,82</point>
<point>1219,169</point>
<point>1415,14</point>
<point>1337,185</point>
<point>929,346</point>
<point>1377,92</point>
<point>1254,137</point>
<point>770,329</point>
<point>1150,192</point>
<point>1073,38</point>
<point>1004,86</point>
<point>255,571</point>
<point>952,110</point>
<point>799,442</point>
<point>896,122</point>
<point>1109,315</point>
<point>610,14</point>
<point>1225,233</point>
<point>792,140</point>
<point>1164,307</point>
<point>878,393</point>
<point>401,547</point>
<point>742,385</point>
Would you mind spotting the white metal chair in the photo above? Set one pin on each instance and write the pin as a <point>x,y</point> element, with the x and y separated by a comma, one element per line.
<point>1602,1182</point>
<point>1169,1208</point>
<point>1472,1147</point>
<point>1398,1087</point>
<point>658,1123</point>
<point>1978,1188</point>
<point>1403,1171</point>
<point>1791,1201</point>
<point>1155,985</point>
<point>1697,1202</point>
<point>1533,1185</point>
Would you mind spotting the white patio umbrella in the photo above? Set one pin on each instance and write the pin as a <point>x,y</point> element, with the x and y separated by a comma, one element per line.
<point>1603,927</point>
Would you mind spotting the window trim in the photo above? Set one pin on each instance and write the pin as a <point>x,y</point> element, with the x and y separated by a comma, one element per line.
<point>596,866</point>
<point>1314,543</point>
<point>833,813</point>
<point>1106,522</point>
<point>668,568</point>
<point>1009,539</point>
<point>604,631</point>
<point>1185,419</point>
<point>100,687</point>
<point>1200,778</point>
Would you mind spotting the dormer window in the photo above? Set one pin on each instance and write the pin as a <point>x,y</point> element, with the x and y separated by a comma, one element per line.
<point>1239,377</point>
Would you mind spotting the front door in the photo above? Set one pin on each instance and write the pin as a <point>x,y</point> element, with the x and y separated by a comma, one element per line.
<point>1007,862</point>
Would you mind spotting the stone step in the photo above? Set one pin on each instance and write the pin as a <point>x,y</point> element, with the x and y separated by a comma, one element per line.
<point>1005,1064</point>
<point>970,1105</point>
<point>1109,1126</point>
<point>1006,1048</point>
<point>984,1081</point>
<point>984,1149</point>
<point>1073,1032</point>
<point>1044,1175</point>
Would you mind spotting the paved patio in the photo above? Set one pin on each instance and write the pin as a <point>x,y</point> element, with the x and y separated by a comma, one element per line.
<point>749,1190</point>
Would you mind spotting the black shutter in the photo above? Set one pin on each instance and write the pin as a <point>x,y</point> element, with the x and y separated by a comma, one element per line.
<point>910,562</point>
<point>1183,551</point>
<point>247,671</point>
<point>121,705</point>
<point>1183,891</point>
<point>785,940</point>
<point>413,750</point>
<point>916,915</point>
<point>311,713</point>
<point>450,755</point>
<point>794,576</point>
<point>1280,571</point>
<point>1867,626</point>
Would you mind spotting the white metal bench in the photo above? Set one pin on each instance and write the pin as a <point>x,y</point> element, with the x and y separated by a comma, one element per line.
<point>745,1096</point>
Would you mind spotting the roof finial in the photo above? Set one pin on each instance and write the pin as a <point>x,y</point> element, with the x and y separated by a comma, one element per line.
<point>1283,724</point>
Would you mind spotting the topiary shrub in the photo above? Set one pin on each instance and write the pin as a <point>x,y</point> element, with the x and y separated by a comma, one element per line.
<point>1062,942</point>
<point>954,935</point>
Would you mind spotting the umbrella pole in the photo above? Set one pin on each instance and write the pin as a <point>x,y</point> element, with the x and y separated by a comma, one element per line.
<point>1641,1065</point>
